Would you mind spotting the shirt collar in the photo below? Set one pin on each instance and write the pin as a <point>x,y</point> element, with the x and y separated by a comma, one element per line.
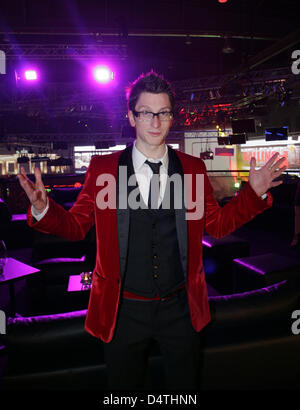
<point>138,158</point>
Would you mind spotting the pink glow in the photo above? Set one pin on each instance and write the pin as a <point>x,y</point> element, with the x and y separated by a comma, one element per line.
<point>103,74</point>
<point>30,75</point>
<point>250,266</point>
<point>205,243</point>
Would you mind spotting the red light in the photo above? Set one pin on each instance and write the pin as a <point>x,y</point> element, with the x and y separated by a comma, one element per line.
<point>222,1</point>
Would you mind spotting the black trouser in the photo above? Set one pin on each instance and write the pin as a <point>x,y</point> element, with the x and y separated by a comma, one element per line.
<point>139,322</point>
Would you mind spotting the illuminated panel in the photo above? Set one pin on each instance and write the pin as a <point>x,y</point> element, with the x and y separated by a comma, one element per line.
<point>224,152</point>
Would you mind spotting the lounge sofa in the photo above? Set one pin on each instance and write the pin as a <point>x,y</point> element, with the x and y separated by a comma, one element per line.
<point>249,344</point>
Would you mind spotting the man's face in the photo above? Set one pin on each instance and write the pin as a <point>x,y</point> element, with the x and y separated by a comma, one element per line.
<point>151,133</point>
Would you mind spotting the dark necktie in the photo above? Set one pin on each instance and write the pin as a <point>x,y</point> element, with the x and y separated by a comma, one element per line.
<point>154,184</point>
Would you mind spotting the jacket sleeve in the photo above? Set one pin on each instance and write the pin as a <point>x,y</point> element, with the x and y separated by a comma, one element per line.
<point>74,223</point>
<point>221,221</point>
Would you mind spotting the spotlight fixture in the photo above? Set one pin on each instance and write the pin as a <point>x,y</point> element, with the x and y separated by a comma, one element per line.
<point>207,155</point>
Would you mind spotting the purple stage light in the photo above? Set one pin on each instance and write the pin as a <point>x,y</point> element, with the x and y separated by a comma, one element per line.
<point>206,243</point>
<point>30,75</point>
<point>247,265</point>
<point>103,74</point>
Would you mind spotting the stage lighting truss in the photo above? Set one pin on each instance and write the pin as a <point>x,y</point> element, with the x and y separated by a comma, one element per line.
<point>34,51</point>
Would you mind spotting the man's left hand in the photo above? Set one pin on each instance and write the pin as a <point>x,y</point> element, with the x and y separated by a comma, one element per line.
<point>263,179</point>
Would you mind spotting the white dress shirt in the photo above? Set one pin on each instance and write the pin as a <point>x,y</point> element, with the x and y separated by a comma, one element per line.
<point>143,175</point>
<point>39,215</point>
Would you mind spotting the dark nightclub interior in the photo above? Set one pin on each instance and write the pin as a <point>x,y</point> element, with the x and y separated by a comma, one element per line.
<point>235,69</point>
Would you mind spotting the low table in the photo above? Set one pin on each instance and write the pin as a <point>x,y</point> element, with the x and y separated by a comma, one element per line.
<point>15,270</point>
<point>255,272</point>
<point>74,284</point>
<point>78,297</point>
<point>218,255</point>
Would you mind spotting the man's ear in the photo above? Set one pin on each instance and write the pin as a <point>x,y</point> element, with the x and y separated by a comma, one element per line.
<point>131,118</point>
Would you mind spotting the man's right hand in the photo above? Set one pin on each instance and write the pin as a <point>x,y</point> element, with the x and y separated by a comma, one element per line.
<point>35,191</point>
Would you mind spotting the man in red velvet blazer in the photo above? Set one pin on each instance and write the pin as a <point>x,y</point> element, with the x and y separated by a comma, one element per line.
<point>148,281</point>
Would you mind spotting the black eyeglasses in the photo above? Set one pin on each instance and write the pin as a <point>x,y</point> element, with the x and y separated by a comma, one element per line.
<point>148,115</point>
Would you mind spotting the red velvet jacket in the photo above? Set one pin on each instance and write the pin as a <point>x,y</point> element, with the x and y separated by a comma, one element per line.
<point>105,291</point>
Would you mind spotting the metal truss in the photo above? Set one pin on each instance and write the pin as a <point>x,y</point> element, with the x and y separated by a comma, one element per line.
<point>69,97</point>
<point>44,51</point>
<point>247,77</point>
<point>245,89</point>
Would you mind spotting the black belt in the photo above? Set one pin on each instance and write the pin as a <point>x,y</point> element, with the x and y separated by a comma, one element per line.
<point>129,295</point>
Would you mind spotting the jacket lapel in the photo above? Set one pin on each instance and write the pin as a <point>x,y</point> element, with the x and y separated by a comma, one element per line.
<point>124,167</point>
<point>175,167</point>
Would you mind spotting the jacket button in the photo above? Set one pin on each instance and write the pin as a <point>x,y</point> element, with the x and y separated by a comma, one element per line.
<point>118,280</point>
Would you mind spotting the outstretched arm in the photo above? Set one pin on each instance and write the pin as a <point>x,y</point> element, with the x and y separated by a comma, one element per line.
<point>35,191</point>
<point>247,204</point>
<point>72,224</point>
<point>261,180</point>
